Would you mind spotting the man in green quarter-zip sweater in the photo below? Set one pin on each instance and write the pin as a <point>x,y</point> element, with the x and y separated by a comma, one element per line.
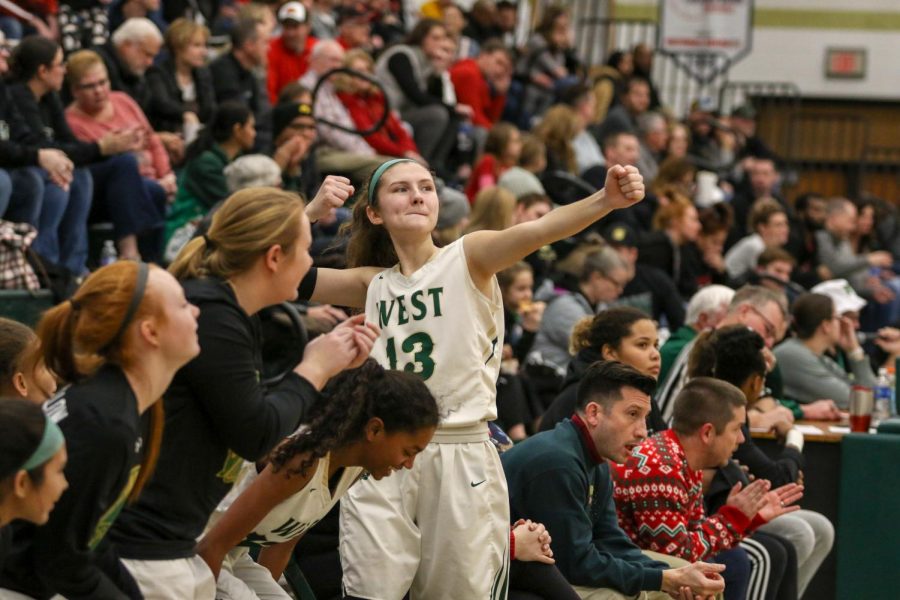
<point>561,478</point>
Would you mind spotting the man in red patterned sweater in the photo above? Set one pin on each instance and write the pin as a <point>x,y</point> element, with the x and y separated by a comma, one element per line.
<point>659,489</point>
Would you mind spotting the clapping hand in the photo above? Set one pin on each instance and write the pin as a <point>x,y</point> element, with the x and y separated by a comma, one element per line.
<point>781,501</point>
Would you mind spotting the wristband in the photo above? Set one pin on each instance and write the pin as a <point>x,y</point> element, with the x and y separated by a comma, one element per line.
<point>794,438</point>
<point>857,354</point>
<point>512,545</point>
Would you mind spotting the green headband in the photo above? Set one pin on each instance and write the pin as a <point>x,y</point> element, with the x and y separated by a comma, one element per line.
<point>373,183</point>
<point>51,442</point>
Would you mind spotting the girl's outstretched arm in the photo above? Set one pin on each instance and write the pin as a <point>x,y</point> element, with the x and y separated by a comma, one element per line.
<point>490,251</point>
<point>344,287</point>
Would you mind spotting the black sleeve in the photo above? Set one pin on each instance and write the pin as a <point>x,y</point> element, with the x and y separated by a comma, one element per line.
<point>249,418</point>
<point>780,471</point>
<point>670,301</point>
<point>308,284</point>
<point>67,565</point>
<point>225,81</point>
<point>21,148</point>
<point>655,422</point>
<point>162,102</point>
<point>206,95</point>
<point>523,346</point>
<point>402,70</point>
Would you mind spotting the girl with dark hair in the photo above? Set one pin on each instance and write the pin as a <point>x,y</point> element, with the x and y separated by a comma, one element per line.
<point>202,184</point>
<point>501,152</point>
<point>32,458</point>
<point>440,310</point>
<point>548,64</point>
<point>22,369</point>
<point>370,423</point>
<point>705,258</point>
<point>218,411</point>
<point>518,405</point>
<point>52,194</point>
<point>620,333</point>
<point>117,343</point>
<point>820,331</point>
<point>735,354</point>
<point>113,166</point>
<point>405,71</point>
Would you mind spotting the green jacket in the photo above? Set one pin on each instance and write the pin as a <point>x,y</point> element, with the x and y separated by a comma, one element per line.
<point>200,187</point>
<point>554,480</point>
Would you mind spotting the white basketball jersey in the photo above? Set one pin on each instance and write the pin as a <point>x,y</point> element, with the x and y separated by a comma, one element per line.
<point>437,324</point>
<point>297,514</point>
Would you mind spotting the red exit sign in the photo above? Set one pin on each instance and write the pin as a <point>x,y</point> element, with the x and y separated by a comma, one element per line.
<point>845,63</point>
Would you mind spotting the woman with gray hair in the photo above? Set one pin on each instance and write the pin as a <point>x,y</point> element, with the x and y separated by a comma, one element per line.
<point>604,274</point>
<point>252,170</point>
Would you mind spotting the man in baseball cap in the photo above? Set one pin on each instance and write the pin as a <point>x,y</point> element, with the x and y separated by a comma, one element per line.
<point>289,53</point>
<point>650,289</point>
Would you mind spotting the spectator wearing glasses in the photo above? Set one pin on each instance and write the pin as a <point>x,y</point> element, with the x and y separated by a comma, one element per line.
<point>129,53</point>
<point>49,193</point>
<point>761,309</point>
<point>37,81</point>
<point>604,275</point>
<point>98,114</point>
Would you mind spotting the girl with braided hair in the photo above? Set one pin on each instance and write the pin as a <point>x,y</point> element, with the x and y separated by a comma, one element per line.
<point>369,423</point>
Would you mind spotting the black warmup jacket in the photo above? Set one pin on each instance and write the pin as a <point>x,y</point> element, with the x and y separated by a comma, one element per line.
<point>104,441</point>
<point>218,414</point>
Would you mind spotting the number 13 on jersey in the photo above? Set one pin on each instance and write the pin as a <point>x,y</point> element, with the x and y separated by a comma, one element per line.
<point>418,347</point>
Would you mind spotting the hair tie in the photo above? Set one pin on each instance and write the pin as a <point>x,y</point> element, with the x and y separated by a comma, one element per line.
<point>76,305</point>
<point>209,243</point>
<point>373,183</point>
<point>51,441</point>
<point>140,287</point>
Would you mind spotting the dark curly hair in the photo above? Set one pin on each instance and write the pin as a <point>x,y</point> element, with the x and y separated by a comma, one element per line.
<point>732,354</point>
<point>401,400</point>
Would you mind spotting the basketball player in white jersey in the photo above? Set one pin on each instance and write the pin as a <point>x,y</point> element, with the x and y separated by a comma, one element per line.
<point>369,423</point>
<point>441,529</point>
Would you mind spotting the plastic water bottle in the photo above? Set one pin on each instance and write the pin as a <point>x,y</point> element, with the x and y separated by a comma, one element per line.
<point>108,254</point>
<point>883,393</point>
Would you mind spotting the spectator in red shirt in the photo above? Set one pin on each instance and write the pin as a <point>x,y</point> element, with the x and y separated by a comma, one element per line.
<point>501,151</point>
<point>482,83</point>
<point>366,104</point>
<point>289,53</point>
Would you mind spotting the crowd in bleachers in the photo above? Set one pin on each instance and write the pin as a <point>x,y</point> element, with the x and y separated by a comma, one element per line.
<point>642,341</point>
